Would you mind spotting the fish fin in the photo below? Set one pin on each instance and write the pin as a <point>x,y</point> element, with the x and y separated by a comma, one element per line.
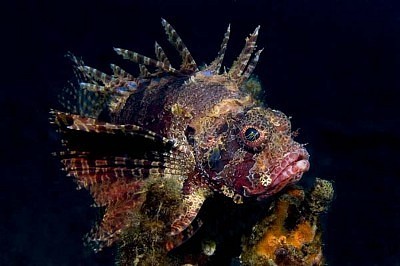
<point>121,73</point>
<point>216,64</point>
<point>192,203</point>
<point>241,62</point>
<point>188,63</point>
<point>115,183</point>
<point>144,72</point>
<point>92,87</point>
<point>116,92</point>
<point>95,74</point>
<point>122,88</point>
<point>141,59</point>
<point>160,54</point>
<point>67,121</point>
<point>250,68</point>
<point>186,234</point>
<point>115,163</point>
<point>119,185</point>
<point>91,170</point>
<point>116,217</point>
<point>80,100</point>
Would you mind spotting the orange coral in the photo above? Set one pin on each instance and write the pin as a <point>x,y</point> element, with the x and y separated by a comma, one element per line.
<point>290,233</point>
<point>269,243</point>
<point>303,234</point>
<point>296,193</point>
<point>275,236</point>
<point>278,236</point>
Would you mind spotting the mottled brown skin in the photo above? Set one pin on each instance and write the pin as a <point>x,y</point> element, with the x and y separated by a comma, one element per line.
<point>209,116</point>
<point>213,135</point>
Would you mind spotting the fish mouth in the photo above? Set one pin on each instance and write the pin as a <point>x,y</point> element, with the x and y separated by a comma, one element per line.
<point>289,170</point>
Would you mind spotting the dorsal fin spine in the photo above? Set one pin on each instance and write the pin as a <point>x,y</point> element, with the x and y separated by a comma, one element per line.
<point>95,74</point>
<point>241,62</point>
<point>121,73</point>
<point>92,87</point>
<point>141,59</point>
<point>144,72</point>
<point>250,68</point>
<point>188,63</point>
<point>160,54</point>
<point>216,64</point>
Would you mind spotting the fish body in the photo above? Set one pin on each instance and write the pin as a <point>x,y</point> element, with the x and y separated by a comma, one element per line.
<point>202,127</point>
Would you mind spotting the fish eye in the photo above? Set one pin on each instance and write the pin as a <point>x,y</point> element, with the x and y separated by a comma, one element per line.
<point>252,136</point>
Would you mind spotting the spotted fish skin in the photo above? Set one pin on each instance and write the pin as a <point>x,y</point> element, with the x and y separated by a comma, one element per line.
<point>200,127</point>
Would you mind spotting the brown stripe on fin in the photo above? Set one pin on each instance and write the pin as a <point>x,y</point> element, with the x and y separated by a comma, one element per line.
<point>215,65</point>
<point>117,213</point>
<point>95,74</point>
<point>188,63</point>
<point>76,122</point>
<point>118,183</point>
<point>89,169</point>
<point>191,204</point>
<point>241,62</point>
<point>141,59</point>
<point>89,172</point>
<point>78,100</point>
<point>92,87</point>
<point>185,235</point>
<point>127,88</point>
<point>121,73</point>
<point>77,62</point>
<point>250,68</point>
<point>160,54</point>
<point>144,72</point>
<point>68,153</point>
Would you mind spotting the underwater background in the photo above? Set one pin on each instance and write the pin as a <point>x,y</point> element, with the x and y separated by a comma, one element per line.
<point>332,65</point>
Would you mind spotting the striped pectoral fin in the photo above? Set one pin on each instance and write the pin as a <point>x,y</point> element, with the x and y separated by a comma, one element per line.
<point>115,183</point>
<point>109,161</point>
<point>68,122</point>
<point>191,206</point>
<point>119,184</point>
<point>90,172</point>
<point>182,237</point>
<point>115,219</point>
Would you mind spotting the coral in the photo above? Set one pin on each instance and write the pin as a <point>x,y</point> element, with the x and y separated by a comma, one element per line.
<point>303,234</point>
<point>290,234</point>
<point>321,195</point>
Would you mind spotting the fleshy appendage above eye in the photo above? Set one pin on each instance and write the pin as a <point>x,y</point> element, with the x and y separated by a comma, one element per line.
<point>252,136</point>
<point>280,121</point>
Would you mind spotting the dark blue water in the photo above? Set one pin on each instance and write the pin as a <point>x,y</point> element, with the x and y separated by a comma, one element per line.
<point>332,65</point>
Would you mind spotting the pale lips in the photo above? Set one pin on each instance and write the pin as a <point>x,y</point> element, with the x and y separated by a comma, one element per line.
<point>291,168</point>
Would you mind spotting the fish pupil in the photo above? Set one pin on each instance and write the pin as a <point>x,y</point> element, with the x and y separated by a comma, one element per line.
<point>251,134</point>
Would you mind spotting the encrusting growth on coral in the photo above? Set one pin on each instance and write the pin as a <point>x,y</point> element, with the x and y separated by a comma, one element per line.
<point>290,233</point>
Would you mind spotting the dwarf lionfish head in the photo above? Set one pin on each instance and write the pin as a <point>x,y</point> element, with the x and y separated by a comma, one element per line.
<point>259,157</point>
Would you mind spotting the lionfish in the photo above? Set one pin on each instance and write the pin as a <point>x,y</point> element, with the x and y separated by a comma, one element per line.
<point>201,127</point>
